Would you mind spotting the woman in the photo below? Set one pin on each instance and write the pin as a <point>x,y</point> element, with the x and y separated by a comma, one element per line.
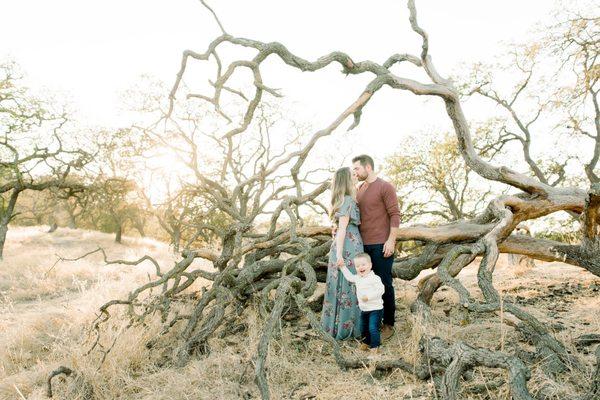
<point>341,315</point>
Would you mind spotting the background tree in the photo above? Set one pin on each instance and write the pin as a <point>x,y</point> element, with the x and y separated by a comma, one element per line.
<point>33,208</point>
<point>432,179</point>
<point>112,206</point>
<point>520,110</point>
<point>73,202</point>
<point>53,206</point>
<point>35,153</point>
<point>575,42</point>
<point>185,217</point>
<point>554,95</point>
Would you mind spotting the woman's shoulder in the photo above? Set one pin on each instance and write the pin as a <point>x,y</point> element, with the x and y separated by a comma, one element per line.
<point>349,199</point>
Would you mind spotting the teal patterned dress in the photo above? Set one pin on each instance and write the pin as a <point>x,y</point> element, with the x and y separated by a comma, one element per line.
<point>341,315</point>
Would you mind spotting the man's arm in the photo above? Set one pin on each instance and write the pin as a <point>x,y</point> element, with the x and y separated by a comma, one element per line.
<point>390,200</point>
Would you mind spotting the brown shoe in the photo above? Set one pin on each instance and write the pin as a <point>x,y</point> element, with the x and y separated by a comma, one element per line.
<point>363,347</point>
<point>387,332</point>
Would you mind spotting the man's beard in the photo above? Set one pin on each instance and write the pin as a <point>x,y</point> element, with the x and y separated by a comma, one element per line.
<point>361,178</point>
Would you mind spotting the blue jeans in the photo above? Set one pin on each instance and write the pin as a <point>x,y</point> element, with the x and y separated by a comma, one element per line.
<point>370,321</point>
<point>382,267</point>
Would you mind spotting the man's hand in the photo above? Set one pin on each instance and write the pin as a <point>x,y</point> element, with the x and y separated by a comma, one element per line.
<point>340,262</point>
<point>389,247</point>
<point>364,299</point>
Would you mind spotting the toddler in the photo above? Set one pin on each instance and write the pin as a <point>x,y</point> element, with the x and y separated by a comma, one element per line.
<point>369,290</point>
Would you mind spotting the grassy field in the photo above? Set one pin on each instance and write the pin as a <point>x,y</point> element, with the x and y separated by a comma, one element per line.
<point>46,310</point>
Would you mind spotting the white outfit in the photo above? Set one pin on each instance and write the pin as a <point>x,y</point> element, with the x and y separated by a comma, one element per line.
<point>370,286</point>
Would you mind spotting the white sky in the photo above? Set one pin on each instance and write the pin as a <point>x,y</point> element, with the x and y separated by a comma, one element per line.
<point>93,50</point>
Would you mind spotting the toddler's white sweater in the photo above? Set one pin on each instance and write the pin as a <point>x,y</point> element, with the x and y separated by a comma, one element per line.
<point>370,286</point>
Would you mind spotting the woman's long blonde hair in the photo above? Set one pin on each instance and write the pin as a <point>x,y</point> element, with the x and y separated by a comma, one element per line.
<point>341,185</point>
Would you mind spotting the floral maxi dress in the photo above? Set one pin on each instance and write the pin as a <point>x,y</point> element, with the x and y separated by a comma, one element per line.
<point>341,315</point>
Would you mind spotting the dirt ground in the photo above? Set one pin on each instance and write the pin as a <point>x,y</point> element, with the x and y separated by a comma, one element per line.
<point>46,310</point>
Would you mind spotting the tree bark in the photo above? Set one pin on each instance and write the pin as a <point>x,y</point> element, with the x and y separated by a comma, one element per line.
<point>587,254</point>
<point>3,231</point>
<point>118,233</point>
<point>176,239</point>
<point>72,223</point>
<point>7,215</point>
<point>139,226</point>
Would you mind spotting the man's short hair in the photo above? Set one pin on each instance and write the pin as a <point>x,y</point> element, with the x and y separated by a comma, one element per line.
<point>364,160</point>
<point>364,256</point>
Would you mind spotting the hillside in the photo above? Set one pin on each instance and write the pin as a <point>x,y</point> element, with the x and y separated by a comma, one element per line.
<point>46,310</point>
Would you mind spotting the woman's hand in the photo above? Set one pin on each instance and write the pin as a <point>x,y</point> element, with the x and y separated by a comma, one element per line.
<point>340,262</point>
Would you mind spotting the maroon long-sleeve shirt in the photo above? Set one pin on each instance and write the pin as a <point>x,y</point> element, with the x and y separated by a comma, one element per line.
<point>379,211</point>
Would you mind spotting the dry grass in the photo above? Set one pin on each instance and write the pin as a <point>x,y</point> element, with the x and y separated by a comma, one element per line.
<point>44,317</point>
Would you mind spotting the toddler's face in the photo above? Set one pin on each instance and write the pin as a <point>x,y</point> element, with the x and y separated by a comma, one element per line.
<point>362,265</point>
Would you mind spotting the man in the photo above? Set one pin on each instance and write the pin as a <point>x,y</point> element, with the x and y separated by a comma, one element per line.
<point>379,222</point>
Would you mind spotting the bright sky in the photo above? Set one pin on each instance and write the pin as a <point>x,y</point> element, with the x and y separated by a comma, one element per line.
<point>93,50</point>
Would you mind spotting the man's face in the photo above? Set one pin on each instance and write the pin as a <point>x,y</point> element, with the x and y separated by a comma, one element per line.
<point>363,266</point>
<point>361,172</point>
